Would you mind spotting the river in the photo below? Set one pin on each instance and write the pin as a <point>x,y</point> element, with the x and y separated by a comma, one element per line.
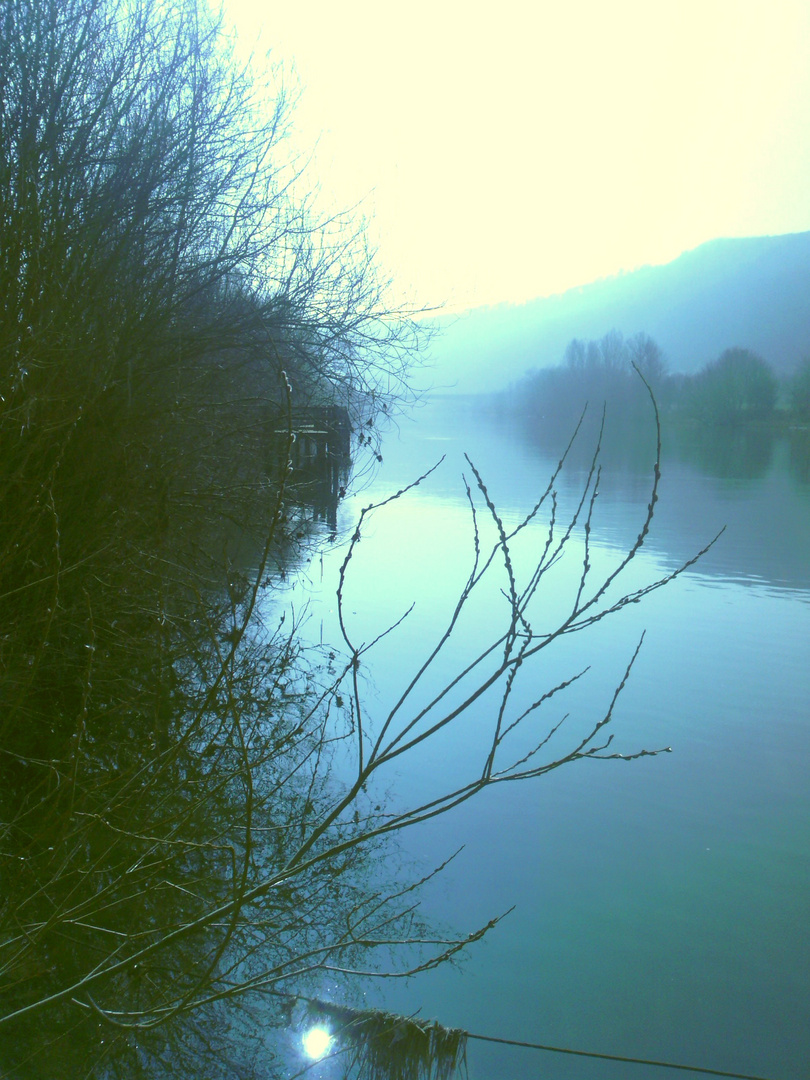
<point>661,904</point>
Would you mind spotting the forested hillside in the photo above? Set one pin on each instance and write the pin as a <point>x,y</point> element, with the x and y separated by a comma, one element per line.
<point>750,293</point>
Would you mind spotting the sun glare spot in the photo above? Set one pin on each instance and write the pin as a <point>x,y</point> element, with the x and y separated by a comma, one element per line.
<point>316,1042</point>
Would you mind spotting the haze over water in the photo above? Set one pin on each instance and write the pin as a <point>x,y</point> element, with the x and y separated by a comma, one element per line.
<point>660,904</point>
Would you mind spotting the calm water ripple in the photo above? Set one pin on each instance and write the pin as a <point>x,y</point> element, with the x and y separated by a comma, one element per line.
<point>661,905</point>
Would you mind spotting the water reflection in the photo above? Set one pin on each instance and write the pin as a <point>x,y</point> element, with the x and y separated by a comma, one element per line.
<point>799,455</point>
<point>315,442</point>
<point>138,829</point>
<point>752,481</point>
<point>165,751</point>
<point>731,453</point>
<point>660,906</point>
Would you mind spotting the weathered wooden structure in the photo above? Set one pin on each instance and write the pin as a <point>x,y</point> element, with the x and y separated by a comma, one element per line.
<point>317,443</point>
<point>320,434</point>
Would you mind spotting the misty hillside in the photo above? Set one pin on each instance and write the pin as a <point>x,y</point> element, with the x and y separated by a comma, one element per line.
<point>752,292</point>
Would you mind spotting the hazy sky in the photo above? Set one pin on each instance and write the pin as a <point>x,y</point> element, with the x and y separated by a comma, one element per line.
<point>511,149</point>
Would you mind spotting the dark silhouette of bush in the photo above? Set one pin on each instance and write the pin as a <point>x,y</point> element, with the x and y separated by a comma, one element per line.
<point>737,387</point>
<point>800,391</point>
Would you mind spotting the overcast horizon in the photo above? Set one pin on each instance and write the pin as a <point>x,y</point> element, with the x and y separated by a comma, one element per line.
<point>503,154</point>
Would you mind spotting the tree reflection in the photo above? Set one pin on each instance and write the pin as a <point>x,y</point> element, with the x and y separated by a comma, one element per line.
<point>799,455</point>
<point>729,453</point>
<point>143,852</point>
<point>174,314</point>
<point>162,747</point>
<point>194,830</point>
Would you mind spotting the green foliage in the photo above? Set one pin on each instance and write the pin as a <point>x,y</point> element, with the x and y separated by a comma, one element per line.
<point>593,375</point>
<point>736,387</point>
<point>800,391</point>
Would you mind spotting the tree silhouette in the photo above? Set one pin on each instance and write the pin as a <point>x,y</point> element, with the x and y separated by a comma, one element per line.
<point>738,386</point>
<point>223,859</point>
<point>193,825</point>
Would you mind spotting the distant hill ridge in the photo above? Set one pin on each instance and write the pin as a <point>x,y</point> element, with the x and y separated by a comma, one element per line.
<point>753,292</point>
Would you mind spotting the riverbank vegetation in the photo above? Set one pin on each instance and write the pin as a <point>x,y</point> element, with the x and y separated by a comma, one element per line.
<point>193,828</point>
<point>174,316</point>
<point>737,389</point>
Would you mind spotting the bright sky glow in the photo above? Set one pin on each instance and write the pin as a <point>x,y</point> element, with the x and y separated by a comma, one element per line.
<point>511,150</point>
<point>316,1042</point>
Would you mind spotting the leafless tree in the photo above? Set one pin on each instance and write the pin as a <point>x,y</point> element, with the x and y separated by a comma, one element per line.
<point>178,845</point>
<point>231,866</point>
<point>169,300</point>
<point>646,356</point>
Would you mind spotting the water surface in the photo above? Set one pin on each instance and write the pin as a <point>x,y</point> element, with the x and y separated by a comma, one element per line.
<point>660,905</point>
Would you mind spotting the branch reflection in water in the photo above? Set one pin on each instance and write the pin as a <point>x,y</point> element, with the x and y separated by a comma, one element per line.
<point>173,886</point>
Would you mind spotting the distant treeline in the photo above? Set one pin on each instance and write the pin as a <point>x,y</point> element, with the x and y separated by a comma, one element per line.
<point>737,388</point>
